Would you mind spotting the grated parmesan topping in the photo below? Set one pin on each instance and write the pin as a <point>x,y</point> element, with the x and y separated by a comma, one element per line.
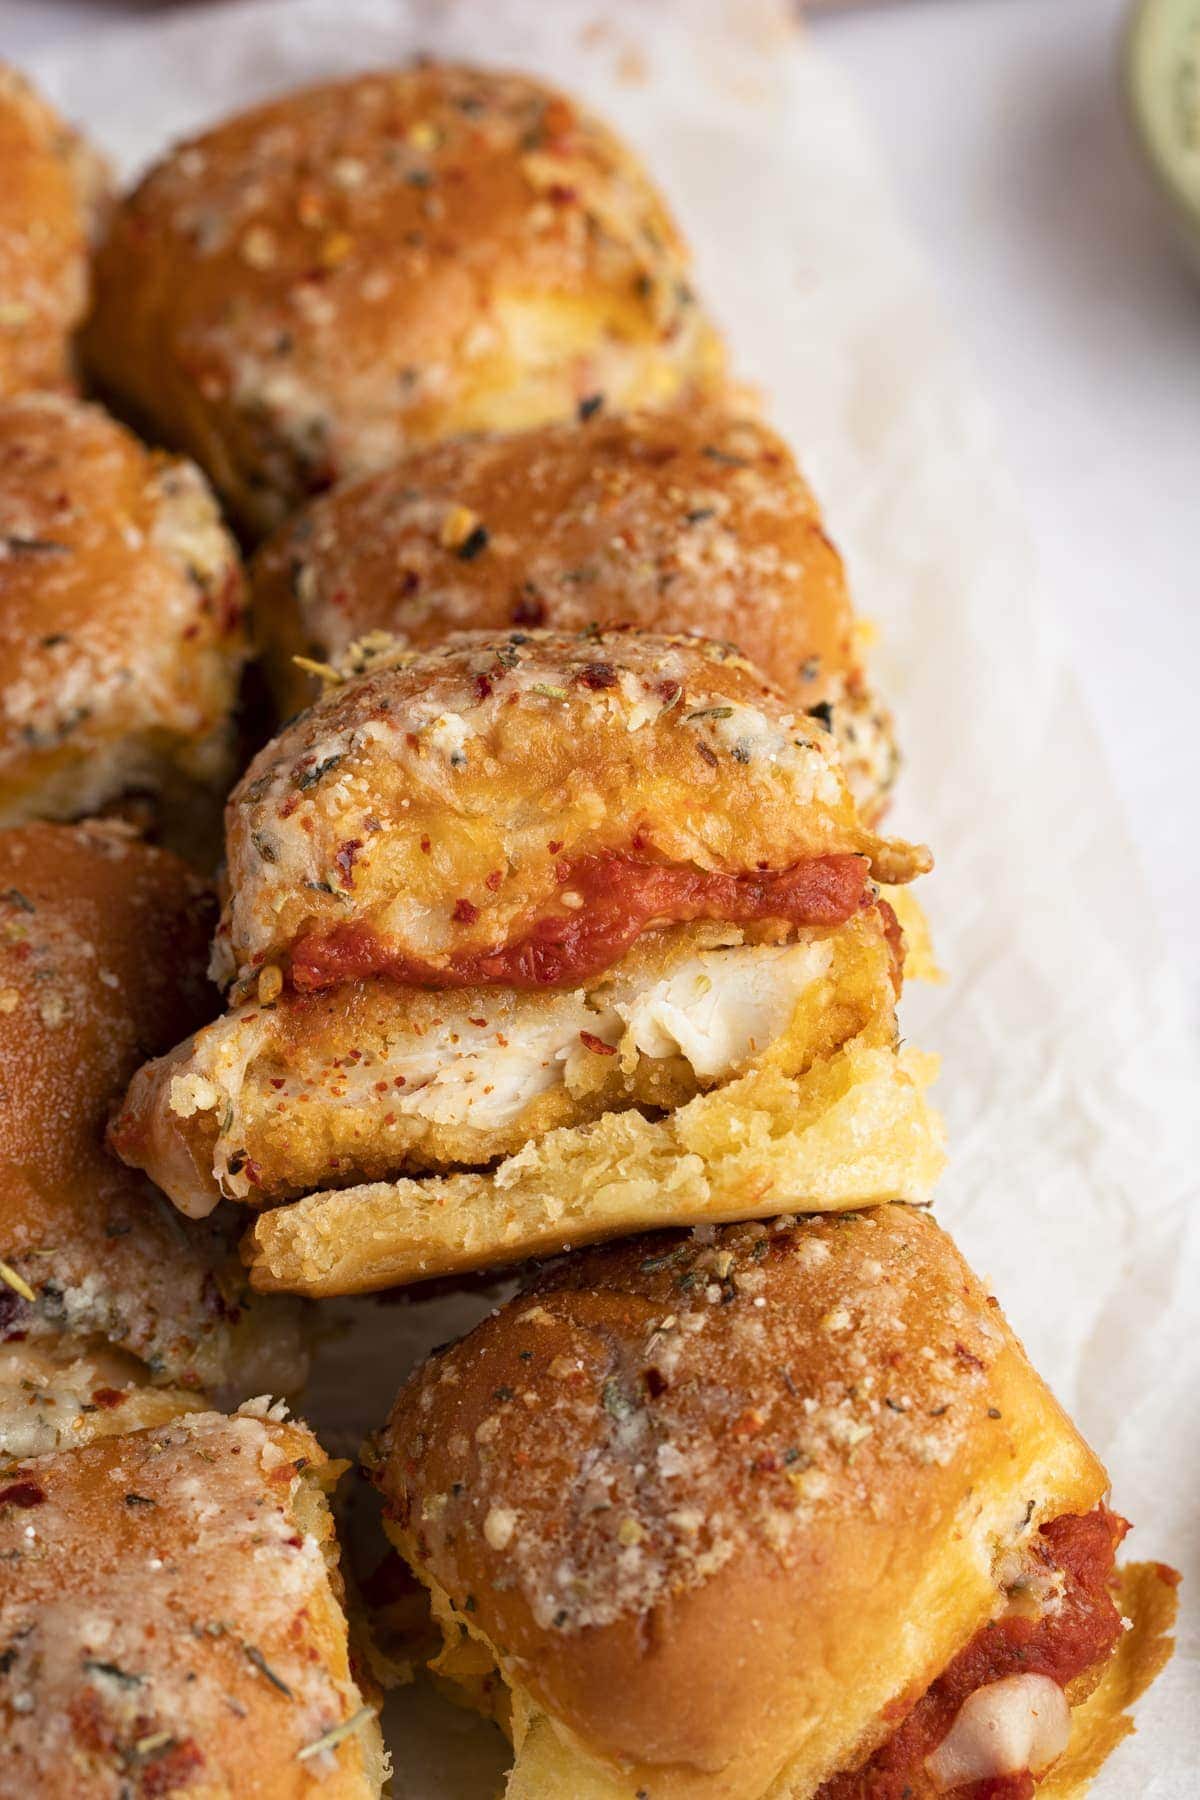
<point>737,1384</point>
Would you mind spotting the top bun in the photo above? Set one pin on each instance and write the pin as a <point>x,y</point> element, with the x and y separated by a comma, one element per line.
<point>311,286</point>
<point>436,808</point>
<point>51,191</point>
<point>689,519</point>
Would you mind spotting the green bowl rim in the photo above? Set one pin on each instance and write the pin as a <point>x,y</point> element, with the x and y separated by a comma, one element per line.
<point>1184,203</point>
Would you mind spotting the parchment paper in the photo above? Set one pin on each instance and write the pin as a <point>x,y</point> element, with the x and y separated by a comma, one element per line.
<point>1070,1082</point>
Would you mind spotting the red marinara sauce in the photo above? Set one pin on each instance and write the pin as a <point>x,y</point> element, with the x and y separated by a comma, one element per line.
<point>1061,1644</point>
<point>620,896</point>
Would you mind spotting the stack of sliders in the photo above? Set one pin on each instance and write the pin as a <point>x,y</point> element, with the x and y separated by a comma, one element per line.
<point>551,918</point>
<point>535,939</point>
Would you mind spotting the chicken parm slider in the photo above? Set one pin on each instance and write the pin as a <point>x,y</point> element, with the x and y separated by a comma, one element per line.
<point>51,195</point>
<point>171,1621</point>
<point>691,519</point>
<point>536,939</point>
<point>769,1511</point>
<point>121,636</point>
<point>308,288</point>
<point>102,1286</point>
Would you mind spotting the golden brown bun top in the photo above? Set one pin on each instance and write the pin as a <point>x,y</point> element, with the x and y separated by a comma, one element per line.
<point>688,519</point>
<point>687,1484</point>
<point>440,798</point>
<point>169,1620</point>
<point>102,951</point>
<point>51,190</point>
<point>307,287</point>
<point>102,947</point>
<point>121,594</point>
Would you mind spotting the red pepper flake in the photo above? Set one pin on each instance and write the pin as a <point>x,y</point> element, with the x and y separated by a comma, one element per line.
<point>493,880</point>
<point>554,846</point>
<point>107,1398</point>
<point>22,1493</point>
<point>709,755</point>
<point>344,860</point>
<point>591,1042</point>
<point>465,913</point>
<point>480,1022</point>
<point>425,846</point>
<point>170,1768</point>
<point>968,1357</point>
<point>597,675</point>
<point>483,688</point>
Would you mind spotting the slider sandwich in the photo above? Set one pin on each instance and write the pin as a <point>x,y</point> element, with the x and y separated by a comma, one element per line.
<point>690,519</point>
<point>532,940</point>
<point>171,1621</point>
<point>306,289</point>
<point>769,1512</point>
<point>114,1311</point>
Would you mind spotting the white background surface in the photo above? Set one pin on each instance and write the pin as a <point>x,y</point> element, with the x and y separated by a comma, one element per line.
<point>1070,1088</point>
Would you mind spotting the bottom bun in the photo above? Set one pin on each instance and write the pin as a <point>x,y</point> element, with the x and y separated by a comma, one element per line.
<point>853,1130</point>
<point>547,1767</point>
<point>1146,1595</point>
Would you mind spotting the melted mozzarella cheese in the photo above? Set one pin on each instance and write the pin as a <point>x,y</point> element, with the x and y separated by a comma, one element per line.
<point>1020,1723</point>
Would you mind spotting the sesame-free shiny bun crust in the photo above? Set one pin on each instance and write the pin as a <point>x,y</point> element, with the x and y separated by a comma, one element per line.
<point>308,288</point>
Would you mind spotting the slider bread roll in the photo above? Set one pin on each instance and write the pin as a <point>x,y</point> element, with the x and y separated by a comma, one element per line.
<point>102,945</point>
<point>51,195</point>
<point>774,1510</point>
<point>597,905</point>
<point>693,519</point>
<point>121,636</point>
<point>171,1621</point>
<point>308,288</point>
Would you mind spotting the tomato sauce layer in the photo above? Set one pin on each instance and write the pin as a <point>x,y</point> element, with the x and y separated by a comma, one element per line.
<point>613,898</point>
<point>1062,1644</point>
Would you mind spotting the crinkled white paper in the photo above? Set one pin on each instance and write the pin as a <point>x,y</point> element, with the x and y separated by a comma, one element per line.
<point>1069,1083</point>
